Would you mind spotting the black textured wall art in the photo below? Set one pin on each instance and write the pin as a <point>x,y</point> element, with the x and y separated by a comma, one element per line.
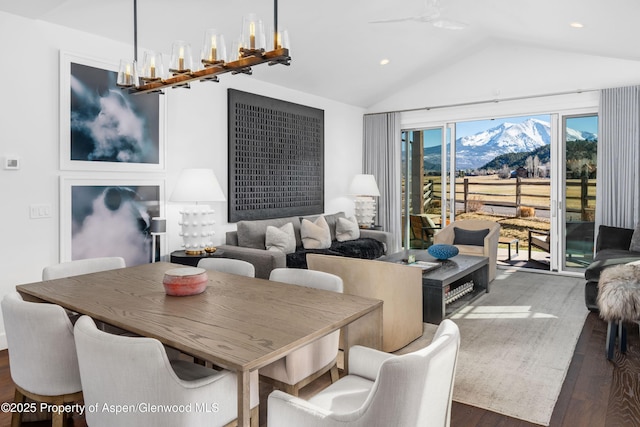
<point>276,158</point>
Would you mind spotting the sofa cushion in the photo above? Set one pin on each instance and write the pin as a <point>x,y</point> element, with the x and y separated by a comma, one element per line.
<point>331,219</point>
<point>252,234</point>
<point>469,237</point>
<point>281,239</point>
<point>347,229</point>
<point>315,235</point>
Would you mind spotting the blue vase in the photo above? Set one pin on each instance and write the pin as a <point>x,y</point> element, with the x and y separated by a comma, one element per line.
<point>442,252</point>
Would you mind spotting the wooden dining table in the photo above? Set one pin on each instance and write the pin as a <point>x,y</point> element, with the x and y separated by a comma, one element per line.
<point>238,323</point>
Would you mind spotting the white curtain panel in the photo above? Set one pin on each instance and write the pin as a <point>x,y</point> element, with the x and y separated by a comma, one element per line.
<point>618,189</point>
<point>381,158</point>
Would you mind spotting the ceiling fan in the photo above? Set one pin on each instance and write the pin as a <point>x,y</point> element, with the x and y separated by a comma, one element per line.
<point>431,14</point>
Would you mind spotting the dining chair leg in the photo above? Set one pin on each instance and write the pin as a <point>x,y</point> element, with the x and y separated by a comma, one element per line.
<point>253,422</point>
<point>255,413</point>
<point>16,417</point>
<point>57,419</point>
<point>335,375</point>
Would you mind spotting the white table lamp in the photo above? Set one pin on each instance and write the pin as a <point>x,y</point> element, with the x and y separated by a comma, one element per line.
<point>364,187</point>
<point>196,186</point>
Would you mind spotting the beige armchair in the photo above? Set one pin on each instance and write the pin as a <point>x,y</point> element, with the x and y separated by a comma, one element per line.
<point>488,248</point>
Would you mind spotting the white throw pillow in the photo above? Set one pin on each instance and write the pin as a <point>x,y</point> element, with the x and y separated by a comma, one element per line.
<point>347,229</point>
<point>281,239</point>
<point>315,235</point>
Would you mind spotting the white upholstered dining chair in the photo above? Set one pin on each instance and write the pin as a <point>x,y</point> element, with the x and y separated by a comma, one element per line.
<point>134,371</point>
<point>381,390</point>
<point>228,265</point>
<point>308,363</point>
<point>81,266</point>
<point>42,354</point>
<point>85,266</point>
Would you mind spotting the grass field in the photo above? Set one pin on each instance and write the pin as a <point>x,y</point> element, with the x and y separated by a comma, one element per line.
<point>534,191</point>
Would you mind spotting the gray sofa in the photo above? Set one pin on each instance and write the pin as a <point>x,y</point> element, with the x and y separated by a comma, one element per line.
<point>248,243</point>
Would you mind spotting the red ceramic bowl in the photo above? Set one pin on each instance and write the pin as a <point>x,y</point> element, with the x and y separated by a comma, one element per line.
<point>185,281</point>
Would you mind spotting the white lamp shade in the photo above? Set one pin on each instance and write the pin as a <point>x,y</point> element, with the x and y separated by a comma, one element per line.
<point>364,185</point>
<point>197,185</point>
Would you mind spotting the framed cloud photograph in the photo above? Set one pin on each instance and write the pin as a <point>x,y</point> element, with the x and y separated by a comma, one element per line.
<point>104,128</point>
<point>109,217</point>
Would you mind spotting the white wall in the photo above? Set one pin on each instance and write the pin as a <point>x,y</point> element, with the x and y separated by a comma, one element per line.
<point>196,137</point>
<point>505,70</point>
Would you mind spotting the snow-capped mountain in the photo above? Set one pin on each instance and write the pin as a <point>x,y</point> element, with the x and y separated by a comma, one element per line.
<point>473,151</point>
<point>578,135</point>
<point>476,150</point>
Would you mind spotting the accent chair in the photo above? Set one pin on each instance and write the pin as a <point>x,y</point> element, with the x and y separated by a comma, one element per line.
<point>308,363</point>
<point>381,390</point>
<point>42,354</point>
<point>82,266</point>
<point>228,265</point>
<point>134,371</point>
<point>473,237</point>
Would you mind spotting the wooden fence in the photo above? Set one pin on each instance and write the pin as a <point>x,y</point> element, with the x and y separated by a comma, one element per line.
<point>580,195</point>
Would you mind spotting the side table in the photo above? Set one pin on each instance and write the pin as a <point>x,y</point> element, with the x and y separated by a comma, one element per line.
<point>181,257</point>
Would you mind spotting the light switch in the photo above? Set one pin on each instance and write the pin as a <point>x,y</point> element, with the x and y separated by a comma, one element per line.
<point>12,162</point>
<point>40,211</point>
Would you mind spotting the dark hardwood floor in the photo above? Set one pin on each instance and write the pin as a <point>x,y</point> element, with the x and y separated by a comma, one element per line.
<point>596,392</point>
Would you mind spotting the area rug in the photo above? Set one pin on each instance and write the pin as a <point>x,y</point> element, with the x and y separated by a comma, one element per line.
<point>517,342</point>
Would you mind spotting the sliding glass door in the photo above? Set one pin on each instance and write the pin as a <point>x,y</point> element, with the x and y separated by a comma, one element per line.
<point>580,138</point>
<point>535,175</point>
<point>421,186</point>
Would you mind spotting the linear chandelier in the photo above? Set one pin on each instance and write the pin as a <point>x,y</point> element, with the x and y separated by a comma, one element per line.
<point>249,50</point>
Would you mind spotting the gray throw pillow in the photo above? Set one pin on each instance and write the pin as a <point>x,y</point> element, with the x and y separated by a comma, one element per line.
<point>347,229</point>
<point>469,237</point>
<point>635,240</point>
<point>281,239</point>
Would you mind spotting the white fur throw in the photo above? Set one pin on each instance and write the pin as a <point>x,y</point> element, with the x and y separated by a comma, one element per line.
<point>619,293</point>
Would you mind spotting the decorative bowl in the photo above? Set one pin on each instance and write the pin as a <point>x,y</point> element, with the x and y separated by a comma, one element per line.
<point>442,251</point>
<point>185,281</point>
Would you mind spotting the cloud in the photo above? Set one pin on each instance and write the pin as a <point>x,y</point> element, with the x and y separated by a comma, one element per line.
<point>118,226</point>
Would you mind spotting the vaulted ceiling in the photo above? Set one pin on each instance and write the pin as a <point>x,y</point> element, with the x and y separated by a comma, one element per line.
<point>336,49</point>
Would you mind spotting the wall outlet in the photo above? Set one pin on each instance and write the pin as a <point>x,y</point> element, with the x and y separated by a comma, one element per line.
<point>40,211</point>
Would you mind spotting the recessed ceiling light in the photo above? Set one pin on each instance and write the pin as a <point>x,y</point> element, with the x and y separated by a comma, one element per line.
<point>384,61</point>
<point>576,25</point>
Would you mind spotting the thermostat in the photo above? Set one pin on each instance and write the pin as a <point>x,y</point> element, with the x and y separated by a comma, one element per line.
<point>12,163</point>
